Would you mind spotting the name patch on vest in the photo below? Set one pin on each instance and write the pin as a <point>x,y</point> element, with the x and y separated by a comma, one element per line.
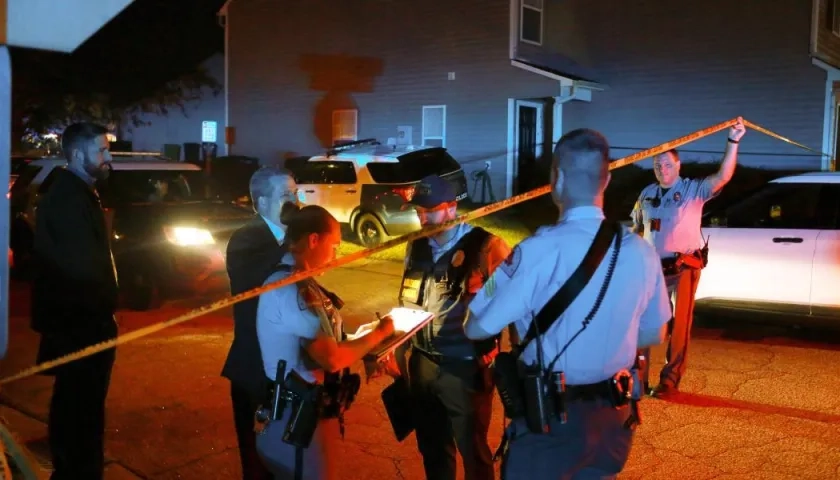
<point>511,263</point>
<point>458,259</point>
<point>307,299</point>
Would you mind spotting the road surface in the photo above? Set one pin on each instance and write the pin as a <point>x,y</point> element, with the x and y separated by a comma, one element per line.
<point>758,404</point>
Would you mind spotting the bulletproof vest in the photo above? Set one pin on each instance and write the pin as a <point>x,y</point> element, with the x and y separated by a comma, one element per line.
<point>440,287</point>
<point>320,301</point>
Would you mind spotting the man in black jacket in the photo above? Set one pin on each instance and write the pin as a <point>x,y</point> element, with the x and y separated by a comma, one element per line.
<point>74,297</point>
<point>252,254</point>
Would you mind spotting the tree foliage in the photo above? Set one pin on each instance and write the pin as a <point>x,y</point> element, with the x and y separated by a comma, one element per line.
<point>145,61</point>
<point>47,102</point>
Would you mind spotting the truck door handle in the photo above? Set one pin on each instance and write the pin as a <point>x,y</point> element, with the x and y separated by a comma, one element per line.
<point>787,240</point>
<point>351,190</point>
<point>309,191</point>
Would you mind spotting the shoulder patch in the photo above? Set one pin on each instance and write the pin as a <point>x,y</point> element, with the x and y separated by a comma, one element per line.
<point>307,298</point>
<point>511,263</point>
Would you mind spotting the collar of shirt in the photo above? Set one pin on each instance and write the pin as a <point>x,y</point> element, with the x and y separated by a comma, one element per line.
<point>278,232</point>
<point>460,230</point>
<point>676,184</point>
<point>582,213</point>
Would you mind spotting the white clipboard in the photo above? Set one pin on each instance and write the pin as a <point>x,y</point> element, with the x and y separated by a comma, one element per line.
<point>407,322</point>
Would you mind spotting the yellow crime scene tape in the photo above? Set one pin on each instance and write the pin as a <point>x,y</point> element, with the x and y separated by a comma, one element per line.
<point>347,259</point>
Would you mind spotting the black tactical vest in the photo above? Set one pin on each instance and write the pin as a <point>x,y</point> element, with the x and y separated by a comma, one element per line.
<point>441,288</point>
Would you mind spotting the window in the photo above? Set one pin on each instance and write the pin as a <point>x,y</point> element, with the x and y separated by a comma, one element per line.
<point>48,181</point>
<point>434,126</point>
<point>345,125</point>
<point>781,205</point>
<point>531,21</point>
<point>152,186</point>
<point>324,173</point>
<point>413,166</point>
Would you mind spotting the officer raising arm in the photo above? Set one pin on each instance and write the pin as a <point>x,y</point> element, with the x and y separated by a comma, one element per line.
<point>300,324</point>
<point>668,215</point>
<point>588,427</point>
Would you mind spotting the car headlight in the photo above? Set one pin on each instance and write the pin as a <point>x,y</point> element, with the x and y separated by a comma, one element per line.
<point>188,236</point>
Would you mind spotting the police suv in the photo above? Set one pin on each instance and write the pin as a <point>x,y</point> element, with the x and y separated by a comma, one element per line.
<point>367,185</point>
<point>777,250</point>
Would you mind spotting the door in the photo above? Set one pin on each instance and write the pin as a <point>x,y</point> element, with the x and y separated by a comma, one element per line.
<point>527,147</point>
<point>309,179</point>
<point>341,193</point>
<point>764,249</point>
<point>825,289</point>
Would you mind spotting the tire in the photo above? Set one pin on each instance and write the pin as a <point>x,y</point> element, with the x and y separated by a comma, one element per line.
<point>369,230</point>
<point>140,292</point>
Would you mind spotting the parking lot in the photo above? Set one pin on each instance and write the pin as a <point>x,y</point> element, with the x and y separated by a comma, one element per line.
<point>758,402</point>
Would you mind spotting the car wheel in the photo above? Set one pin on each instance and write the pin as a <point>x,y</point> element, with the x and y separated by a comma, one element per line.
<point>370,231</point>
<point>140,291</point>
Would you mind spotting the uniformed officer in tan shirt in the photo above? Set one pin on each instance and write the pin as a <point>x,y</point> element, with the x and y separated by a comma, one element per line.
<point>668,214</point>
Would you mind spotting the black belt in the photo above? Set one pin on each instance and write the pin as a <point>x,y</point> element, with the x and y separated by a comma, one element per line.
<point>440,358</point>
<point>589,392</point>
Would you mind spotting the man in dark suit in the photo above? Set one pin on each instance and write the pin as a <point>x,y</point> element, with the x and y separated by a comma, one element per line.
<point>252,254</point>
<point>74,297</point>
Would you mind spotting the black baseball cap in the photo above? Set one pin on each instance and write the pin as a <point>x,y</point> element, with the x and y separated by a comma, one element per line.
<point>433,191</point>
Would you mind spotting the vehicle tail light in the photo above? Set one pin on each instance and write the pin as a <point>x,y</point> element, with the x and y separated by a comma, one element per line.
<point>407,193</point>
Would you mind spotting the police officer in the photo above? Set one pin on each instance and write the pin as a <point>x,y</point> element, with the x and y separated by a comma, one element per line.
<point>667,214</point>
<point>594,441</point>
<point>449,376</point>
<point>300,324</point>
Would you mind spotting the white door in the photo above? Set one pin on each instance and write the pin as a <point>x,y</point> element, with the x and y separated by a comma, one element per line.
<point>341,192</point>
<point>764,249</point>
<point>825,290</point>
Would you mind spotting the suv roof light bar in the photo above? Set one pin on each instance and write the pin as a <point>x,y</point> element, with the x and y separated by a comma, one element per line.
<point>351,145</point>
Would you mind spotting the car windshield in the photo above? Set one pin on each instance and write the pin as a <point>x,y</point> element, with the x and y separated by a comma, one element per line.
<point>413,166</point>
<point>24,178</point>
<point>155,186</point>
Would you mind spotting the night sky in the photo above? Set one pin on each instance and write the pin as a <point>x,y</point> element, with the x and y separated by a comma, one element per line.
<point>149,43</point>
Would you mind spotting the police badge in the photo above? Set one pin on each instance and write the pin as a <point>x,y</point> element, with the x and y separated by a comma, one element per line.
<point>677,197</point>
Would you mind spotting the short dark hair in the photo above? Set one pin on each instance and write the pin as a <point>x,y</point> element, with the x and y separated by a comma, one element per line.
<point>673,152</point>
<point>301,222</point>
<point>586,150</point>
<point>260,184</point>
<point>79,135</point>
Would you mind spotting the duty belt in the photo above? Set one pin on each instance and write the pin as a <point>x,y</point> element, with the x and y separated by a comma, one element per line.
<point>441,358</point>
<point>589,392</point>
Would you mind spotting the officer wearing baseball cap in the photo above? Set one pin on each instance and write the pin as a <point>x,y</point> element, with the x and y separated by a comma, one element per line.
<point>449,379</point>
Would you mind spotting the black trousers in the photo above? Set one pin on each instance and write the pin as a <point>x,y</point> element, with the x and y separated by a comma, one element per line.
<point>453,402</point>
<point>244,407</point>
<point>77,417</point>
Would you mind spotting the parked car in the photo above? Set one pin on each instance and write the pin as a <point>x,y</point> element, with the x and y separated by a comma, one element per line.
<point>777,250</point>
<point>367,185</point>
<point>167,238</point>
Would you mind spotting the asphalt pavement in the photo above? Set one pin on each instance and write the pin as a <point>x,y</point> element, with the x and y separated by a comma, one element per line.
<point>757,403</point>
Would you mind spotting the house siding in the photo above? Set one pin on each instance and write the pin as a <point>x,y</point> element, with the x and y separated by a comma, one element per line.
<point>288,71</point>
<point>183,127</point>
<point>827,45</point>
<point>676,67</point>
